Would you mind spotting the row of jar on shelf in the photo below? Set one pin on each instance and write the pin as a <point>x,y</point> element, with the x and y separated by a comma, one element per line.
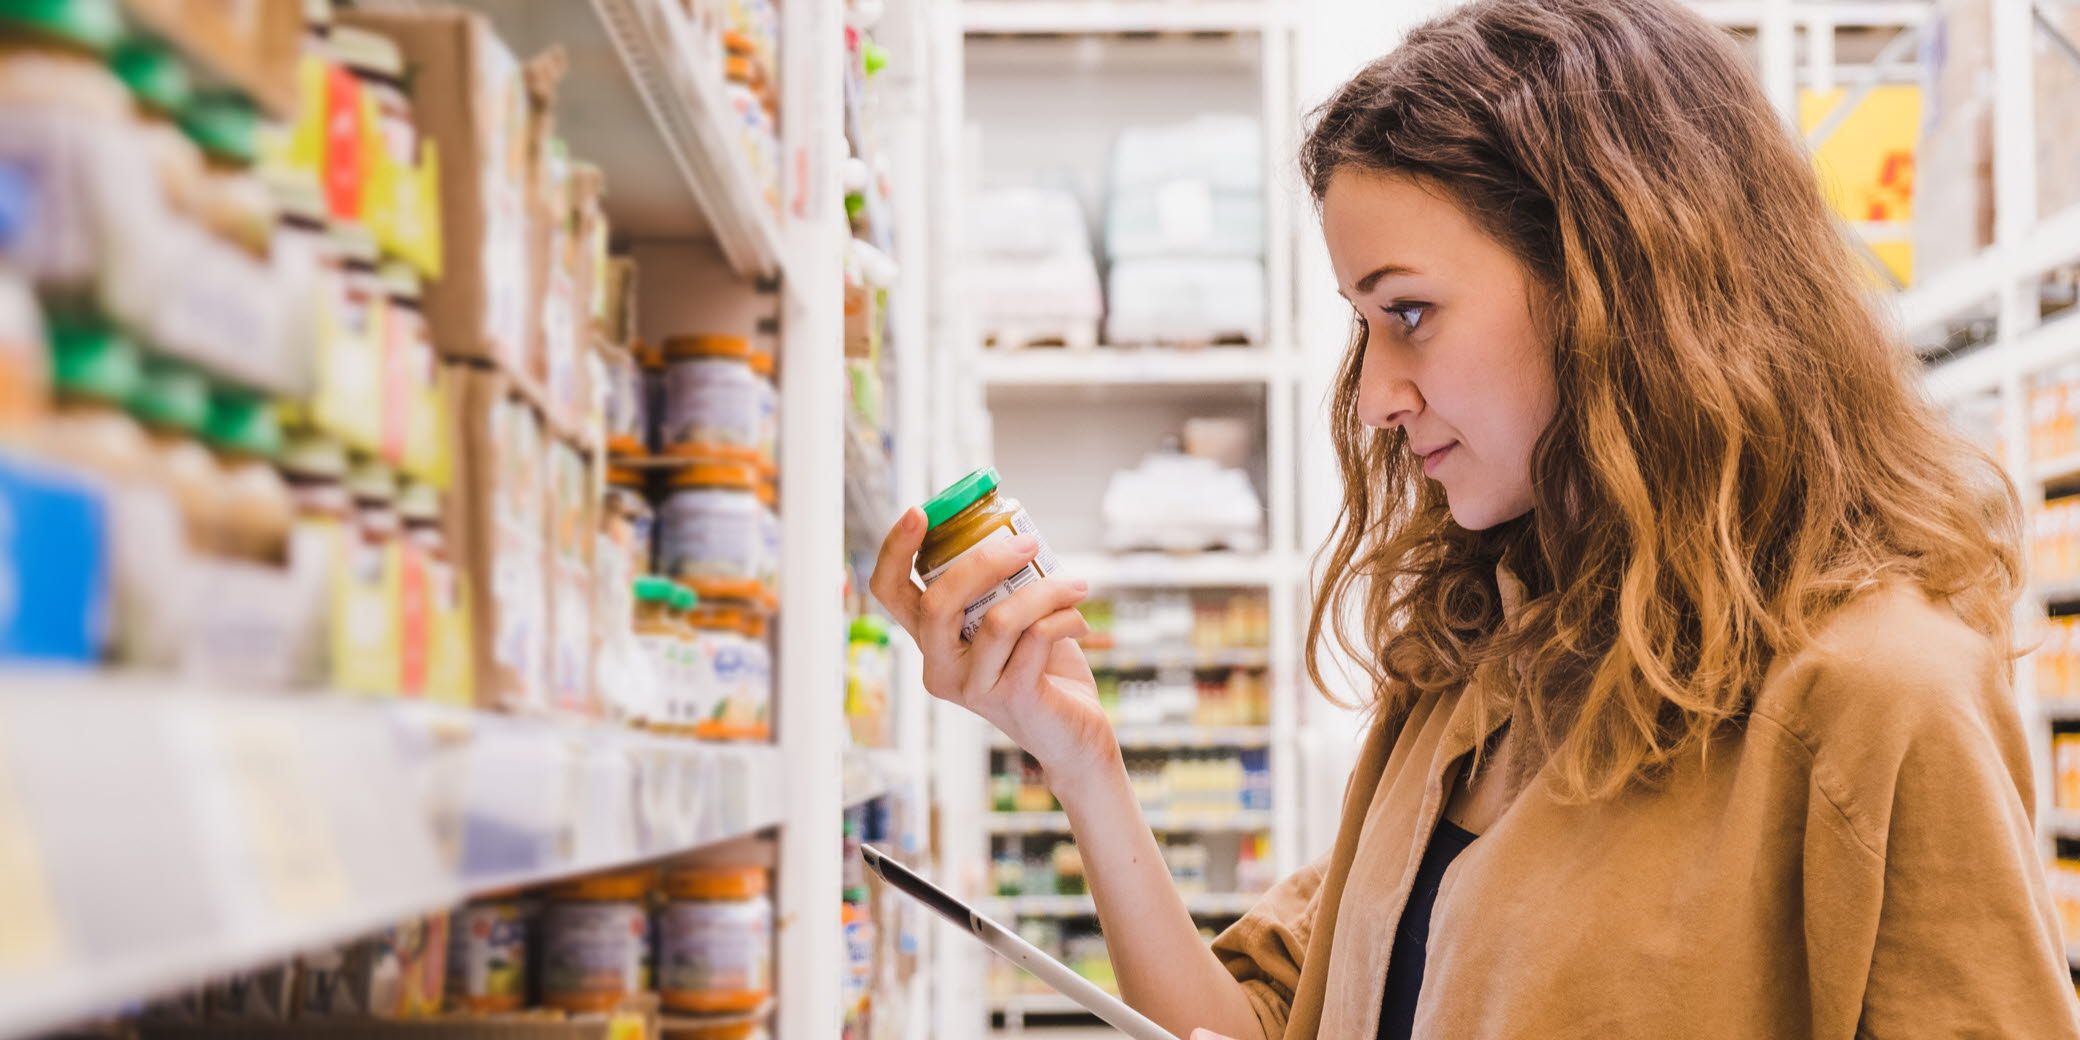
<point>1193,782</point>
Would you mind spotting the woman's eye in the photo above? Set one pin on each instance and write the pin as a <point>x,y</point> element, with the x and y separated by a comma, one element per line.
<point>1408,315</point>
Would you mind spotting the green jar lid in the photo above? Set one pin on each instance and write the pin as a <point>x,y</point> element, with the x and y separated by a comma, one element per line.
<point>684,598</point>
<point>869,628</point>
<point>93,359</point>
<point>964,493</point>
<point>873,57</point>
<point>154,74</point>
<point>93,24</point>
<point>855,895</point>
<point>171,396</point>
<point>652,589</point>
<point>224,125</point>
<point>243,421</point>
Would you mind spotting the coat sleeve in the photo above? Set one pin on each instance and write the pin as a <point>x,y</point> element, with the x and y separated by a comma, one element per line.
<point>1928,915</point>
<point>1967,941</point>
<point>1264,950</point>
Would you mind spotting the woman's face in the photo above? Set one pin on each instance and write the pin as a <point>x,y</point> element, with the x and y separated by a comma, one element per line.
<point>1453,357</point>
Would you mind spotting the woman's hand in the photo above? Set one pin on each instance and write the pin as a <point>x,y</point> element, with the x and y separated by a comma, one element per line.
<point>1208,1034</point>
<point>1023,670</point>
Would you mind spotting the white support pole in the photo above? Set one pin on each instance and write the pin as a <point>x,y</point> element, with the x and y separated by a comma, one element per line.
<point>1777,32</point>
<point>1820,52</point>
<point>812,384</point>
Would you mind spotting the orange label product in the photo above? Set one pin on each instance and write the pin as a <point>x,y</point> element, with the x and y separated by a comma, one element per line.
<point>595,941</point>
<point>715,940</point>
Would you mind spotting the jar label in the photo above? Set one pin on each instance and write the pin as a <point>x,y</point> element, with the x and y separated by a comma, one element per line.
<point>714,949</point>
<point>716,535</point>
<point>710,402</point>
<point>1043,565</point>
<point>487,954</point>
<point>593,948</point>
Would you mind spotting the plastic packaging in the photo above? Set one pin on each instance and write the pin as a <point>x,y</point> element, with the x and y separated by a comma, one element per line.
<point>595,941</point>
<point>966,516</point>
<point>628,405</point>
<point>715,940</point>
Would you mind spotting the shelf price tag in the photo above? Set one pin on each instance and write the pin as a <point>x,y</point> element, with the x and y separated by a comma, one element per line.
<point>30,935</point>
<point>281,815</point>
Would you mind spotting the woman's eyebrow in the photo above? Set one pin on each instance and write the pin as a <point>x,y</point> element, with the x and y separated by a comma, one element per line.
<point>1365,285</point>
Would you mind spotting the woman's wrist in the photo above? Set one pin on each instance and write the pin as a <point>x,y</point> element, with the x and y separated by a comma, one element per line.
<point>1099,773</point>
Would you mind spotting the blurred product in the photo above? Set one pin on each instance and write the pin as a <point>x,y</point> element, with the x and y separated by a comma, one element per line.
<point>488,955</point>
<point>715,940</point>
<point>1034,279</point>
<point>1185,301</point>
<point>595,936</point>
<point>869,680</point>
<point>1189,189</point>
<point>54,561</point>
<point>711,527</point>
<point>1182,503</point>
<point>711,406</point>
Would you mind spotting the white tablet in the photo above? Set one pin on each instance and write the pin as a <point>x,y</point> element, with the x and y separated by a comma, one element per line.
<point>1009,946</point>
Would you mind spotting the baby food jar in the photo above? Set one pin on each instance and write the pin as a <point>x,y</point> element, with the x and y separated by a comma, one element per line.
<point>715,940</point>
<point>487,955</point>
<point>724,696</point>
<point>711,398</point>
<point>769,535</point>
<point>766,446</point>
<point>711,528</point>
<point>659,632</point>
<point>595,940</point>
<point>965,517</point>
<point>172,401</point>
<point>256,509</point>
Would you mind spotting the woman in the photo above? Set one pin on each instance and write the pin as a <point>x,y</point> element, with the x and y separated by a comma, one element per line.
<point>1686,616</point>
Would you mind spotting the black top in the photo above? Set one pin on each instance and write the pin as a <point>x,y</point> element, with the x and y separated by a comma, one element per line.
<point>1412,938</point>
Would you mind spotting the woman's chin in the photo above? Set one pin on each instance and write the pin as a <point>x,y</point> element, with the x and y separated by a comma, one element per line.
<point>1479,513</point>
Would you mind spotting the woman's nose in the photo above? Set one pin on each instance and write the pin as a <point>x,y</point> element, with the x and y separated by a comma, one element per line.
<point>1387,401</point>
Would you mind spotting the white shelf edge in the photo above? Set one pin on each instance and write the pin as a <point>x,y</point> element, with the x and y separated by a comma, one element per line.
<point>1194,570</point>
<point>2057,591</point>
<point>1036,1004</point>
<point>871,773</point>
<point>1070,17</point>
<point>215,779</point>
<point>2064,823</point>
<point>1203,904</point>
<point>2058,709</point>
<point>2052,471</point>
<point>1141,738</point>
<point>1240,821</point>
<point>1004,370</point>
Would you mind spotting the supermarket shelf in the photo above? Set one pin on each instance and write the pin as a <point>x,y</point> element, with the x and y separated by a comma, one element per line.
<point>647,103</point>
<point>1239,821</point>
<point>2073,954</point>
<point>1136,738</point>
<point>1073,17</point>
<point>2064,823</point>
<point>1204,904</point>
<point>1130,660</point>
<point>1196,570</point>
<point>196,832</point>
<point>869,774</point>
<point>2056,471</point>
<point>2058,592</point>
<point>1846,13</point>
<point>1036,1004</point>
<point>2058,708</point>
<point>1009,370</point>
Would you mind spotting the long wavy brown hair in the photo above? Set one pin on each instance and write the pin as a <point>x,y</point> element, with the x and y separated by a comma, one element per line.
<point>1740,445</point>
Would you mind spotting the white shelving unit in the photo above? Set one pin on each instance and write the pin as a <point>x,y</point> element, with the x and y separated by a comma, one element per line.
<point>1058,421</point>
<point>153,836</point>
<point>1205,904</point>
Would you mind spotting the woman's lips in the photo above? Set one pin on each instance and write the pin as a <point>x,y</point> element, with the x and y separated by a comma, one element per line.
<point>1435,458</point>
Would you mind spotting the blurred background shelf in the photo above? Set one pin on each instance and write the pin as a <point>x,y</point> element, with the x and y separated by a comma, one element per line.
<point>1203,904</point>
<point>1172,570</point>
<point>1182,737</point>
<point>1072,17</point>
<point>1236,821</point>
<point>1010,370</point>
<point>151,833</point>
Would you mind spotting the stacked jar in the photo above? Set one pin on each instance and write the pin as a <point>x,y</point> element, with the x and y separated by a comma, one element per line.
<point>715,940</point>
<point>596,941</point>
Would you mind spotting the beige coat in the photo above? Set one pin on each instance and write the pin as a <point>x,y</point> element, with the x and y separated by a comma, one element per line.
<point>1856,861</point>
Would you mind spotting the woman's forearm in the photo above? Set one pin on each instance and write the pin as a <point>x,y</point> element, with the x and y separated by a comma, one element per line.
<point>1166,971</point>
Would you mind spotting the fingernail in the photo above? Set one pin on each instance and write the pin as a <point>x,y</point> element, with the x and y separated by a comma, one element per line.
<point>1081,585</point>
<point>1024,543</point>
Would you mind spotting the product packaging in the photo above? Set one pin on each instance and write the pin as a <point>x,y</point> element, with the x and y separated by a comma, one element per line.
<point>54,563</point>
<point>498,524</point>
<point>249,44</point>
<point>469,97</point>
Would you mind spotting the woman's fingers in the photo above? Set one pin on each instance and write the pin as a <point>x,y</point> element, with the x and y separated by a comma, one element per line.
<point>891,583</point>
<point>1029,659</point>
<point>1009,622</point>
<point>942,608</point>
<point>1208,1034</point>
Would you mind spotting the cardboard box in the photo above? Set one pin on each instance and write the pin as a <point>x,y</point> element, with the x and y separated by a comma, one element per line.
<point>469,97</point>
<point>574,494</point>
<point>497,520</point>
<point>253,45</point>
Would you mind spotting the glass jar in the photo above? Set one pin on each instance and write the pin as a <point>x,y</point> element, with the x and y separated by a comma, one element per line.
<point>256,509</point>
<point>769,536</point>
<point>715,940</point>
<point>711,528</point>
<point>172,402</point>
<point>720,704</point>
<point>766,444</point>
<point>966,516</point>
<point>659,633</point>
<point>711,399</point>
<point>488,955</point>
<point>595,941</point>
